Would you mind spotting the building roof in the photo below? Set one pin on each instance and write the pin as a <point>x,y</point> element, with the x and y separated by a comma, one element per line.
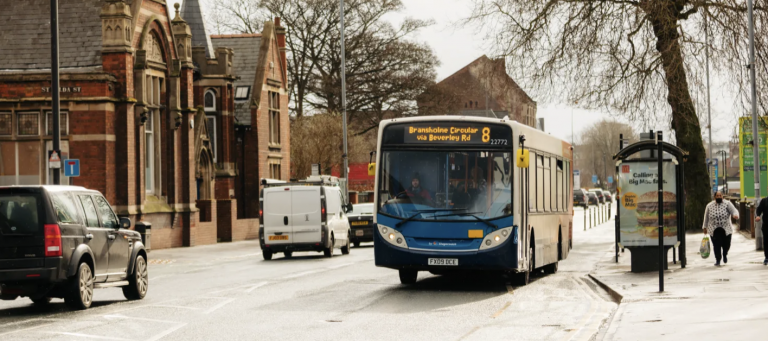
<point>192,13</point>
<point>245,62</point>
<point>25,34</point>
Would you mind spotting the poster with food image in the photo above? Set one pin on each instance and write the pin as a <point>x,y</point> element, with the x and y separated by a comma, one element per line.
<point>639,203</point>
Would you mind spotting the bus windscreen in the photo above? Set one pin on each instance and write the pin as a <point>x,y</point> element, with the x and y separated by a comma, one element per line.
<point>445,185</point>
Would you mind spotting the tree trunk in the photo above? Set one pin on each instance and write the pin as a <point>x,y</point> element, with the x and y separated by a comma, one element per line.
<point>684,120</point>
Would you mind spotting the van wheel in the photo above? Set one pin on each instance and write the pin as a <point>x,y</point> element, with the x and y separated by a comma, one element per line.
<point>551,268</point>
<point>288,254</point>
<point>267,254</point>
<point>357,244</point>
<point>138,282</point>
<point>328,252</point>
<point>408,276</point>
<point>80,288</point>
<point>345,248</point>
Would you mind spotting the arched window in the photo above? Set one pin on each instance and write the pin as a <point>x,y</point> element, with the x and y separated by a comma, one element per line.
<point>210,101</point>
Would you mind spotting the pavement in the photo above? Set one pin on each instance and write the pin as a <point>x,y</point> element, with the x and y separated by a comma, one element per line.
<point>699,302</point>
<point>228,291</point>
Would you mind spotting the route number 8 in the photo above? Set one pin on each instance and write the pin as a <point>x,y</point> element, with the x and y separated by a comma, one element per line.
<point>486,134</point>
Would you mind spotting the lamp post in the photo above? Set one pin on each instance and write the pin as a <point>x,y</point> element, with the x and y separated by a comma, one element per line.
<point>755,135</point>
<point>724,153</point>
<point>55,84</point>
<point>344,103</point>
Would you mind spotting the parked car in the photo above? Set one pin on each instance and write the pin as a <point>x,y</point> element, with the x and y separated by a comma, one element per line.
<point>361,221</point>
<point>580,198</point>
<point>599,194</point>
<point>593,199</point>
<point>608,196</point>
<point>64,241</point>
<point>303,217</point>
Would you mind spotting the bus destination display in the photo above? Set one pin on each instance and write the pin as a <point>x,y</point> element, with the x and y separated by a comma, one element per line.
<point>459,133</point>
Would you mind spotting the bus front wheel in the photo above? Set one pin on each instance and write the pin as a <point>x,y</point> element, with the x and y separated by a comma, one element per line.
<point>523,278</point>
<point>408,276</point>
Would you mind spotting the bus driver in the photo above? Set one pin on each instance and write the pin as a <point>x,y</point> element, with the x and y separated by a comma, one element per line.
<point>416,189</point>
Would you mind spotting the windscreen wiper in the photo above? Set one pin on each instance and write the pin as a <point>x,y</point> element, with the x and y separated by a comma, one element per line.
<point>428,211</point>
<point>473,215</point>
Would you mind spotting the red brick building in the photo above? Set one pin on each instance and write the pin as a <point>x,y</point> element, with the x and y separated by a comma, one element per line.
<point>134,111</point>
<point>482,88</point>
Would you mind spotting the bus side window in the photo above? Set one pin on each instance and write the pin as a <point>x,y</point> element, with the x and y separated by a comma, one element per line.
<point>531,184</point>
<point>540,194</point>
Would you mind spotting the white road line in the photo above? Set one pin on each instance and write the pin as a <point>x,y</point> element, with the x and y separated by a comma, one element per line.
<point>214,308</point>
<point>29,320</point>
<point>25,329</point>
<point>233,288</point>
<point>301,274</point>
<point>339,266</point>
<point>109,317</point>
<point>259,285</point>
<point>166,332</point>
<point>173,306</point>
<point>88,336</point>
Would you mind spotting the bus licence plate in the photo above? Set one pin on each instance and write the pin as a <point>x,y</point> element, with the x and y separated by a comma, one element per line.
<point>443,261</point>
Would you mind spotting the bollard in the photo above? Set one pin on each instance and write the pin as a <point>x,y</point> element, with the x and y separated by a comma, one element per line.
<point>585,218</point>
<point>589,213</point>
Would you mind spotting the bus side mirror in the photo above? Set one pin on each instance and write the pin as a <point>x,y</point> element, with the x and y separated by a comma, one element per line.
<point>522,158</point>
<point>372,169</point>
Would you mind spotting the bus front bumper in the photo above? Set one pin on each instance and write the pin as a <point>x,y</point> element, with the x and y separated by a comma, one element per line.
<point>501,258</point>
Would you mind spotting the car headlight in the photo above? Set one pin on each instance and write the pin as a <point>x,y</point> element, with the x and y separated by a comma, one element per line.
<point>392,236</point>
<point>496,238</point>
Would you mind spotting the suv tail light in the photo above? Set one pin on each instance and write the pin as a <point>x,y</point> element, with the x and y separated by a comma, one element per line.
<point>52,240</point>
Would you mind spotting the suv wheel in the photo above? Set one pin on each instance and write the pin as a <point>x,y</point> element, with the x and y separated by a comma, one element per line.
<point>345,248</point>
<point>138,283</point>
<point>328,252</point>
<point>80,288</point>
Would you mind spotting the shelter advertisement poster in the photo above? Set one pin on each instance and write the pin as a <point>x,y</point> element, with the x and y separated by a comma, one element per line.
<point>747,159</point>
<point>639,203</point>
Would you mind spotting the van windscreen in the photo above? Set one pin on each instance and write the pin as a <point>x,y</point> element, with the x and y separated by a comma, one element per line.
<point>19,214</point>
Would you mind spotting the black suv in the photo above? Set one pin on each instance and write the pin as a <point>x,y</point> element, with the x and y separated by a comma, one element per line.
<point>64,241</point>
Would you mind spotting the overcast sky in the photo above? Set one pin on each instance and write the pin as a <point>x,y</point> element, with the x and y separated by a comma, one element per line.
<point>458,46</point>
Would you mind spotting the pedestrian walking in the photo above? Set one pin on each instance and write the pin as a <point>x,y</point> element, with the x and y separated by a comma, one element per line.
<point>762,207</point>
<point>717,223</point>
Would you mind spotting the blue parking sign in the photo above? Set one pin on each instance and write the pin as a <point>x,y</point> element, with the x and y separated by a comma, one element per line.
<point>72,167</point>
<point>594,178</point>
<point>610,179</point>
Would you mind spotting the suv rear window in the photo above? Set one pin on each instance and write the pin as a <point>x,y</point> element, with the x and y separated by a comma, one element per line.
<point>19,214</point>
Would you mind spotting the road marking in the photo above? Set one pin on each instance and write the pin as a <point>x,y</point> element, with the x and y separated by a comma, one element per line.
<point>259,285</point>
<point>29,320</point>
<point>301,274</point>
<point>110,317</point>
<point>27,329</point>
<point>167,332</point>
<point>88,336</point>
<point>216,307</point>
<point>501,310</point>
<point>174,306</point>
<point>230,289</point>
<point>339,266</point>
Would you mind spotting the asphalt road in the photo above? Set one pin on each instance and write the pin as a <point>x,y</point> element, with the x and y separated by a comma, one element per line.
<point>227,291</point>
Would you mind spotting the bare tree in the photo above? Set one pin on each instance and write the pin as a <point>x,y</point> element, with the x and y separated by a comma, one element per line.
<point>241,16</point>
<point>643,58</point>
<point>595,149</point>
<point>385,71</point>
<point>318,139</point>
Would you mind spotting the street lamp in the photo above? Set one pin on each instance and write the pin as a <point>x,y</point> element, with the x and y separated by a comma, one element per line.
<point>724,153</point>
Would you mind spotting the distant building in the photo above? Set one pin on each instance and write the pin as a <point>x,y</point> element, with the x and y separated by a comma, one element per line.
<point>482,88</point>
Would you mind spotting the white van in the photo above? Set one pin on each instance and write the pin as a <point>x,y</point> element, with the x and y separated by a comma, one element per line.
<point>303,216</point>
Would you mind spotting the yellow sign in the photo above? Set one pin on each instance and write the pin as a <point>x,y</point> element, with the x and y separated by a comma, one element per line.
<point>629,201</point>
<point>278,237</point>
<point>359,223</point>
<point>372,169</point>
<point>475,234</point>
<point>522,158</point>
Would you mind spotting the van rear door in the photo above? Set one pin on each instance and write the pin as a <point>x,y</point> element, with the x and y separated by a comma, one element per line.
<point>306,214</point>
<point>22,241</point>
<point>277,215</point>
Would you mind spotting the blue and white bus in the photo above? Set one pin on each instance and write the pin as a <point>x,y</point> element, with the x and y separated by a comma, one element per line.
<point>451,195</point>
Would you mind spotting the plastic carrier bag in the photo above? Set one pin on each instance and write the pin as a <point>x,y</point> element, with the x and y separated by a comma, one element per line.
<point>705,249</point>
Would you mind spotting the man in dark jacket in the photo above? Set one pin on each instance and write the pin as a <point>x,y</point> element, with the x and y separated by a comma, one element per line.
<point>763,208</point>
<point>416,190</point>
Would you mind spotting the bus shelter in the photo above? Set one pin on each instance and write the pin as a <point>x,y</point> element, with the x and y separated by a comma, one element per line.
<point>639,169</point>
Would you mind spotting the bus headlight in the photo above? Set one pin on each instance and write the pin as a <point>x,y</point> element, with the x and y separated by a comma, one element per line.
<point>392,236</point>
<point>496,238</point>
